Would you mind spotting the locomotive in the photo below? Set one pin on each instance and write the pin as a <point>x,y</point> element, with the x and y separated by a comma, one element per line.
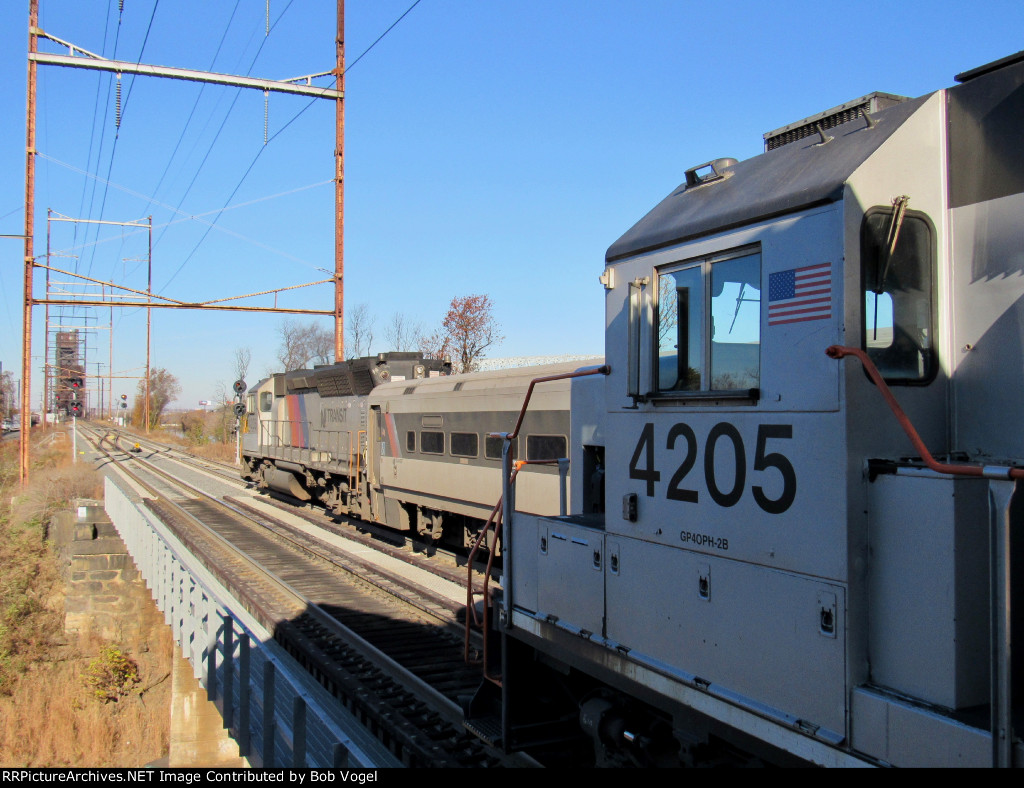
<point>393,439</point>
<point>810,549</point>
<point>789,531</point>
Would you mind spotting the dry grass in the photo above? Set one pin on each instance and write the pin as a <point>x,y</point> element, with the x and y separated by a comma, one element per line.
<point>53,718</point>
<point>50,714</point>
<point>224,452</point>
<point>211,450</point>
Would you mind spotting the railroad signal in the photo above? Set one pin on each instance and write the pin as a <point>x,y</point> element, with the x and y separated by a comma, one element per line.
<point>124,401</point>
<point>239,386</point>
<point>76,409</point>
<point>75,383</point>
<point>239,409</point>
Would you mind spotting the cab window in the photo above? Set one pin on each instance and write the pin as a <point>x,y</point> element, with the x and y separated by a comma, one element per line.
<point>709,325</point>
<point>897,274</point>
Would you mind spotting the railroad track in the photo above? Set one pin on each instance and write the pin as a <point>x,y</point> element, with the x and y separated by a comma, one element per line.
<point>222,470</point>
<point>388,650</point>
<point>319,517</point>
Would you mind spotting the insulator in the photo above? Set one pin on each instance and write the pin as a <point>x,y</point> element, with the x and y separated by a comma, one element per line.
<point>117,107</point>
<point>120,6</point>
<point>268,17</point>
<point>266,114</point>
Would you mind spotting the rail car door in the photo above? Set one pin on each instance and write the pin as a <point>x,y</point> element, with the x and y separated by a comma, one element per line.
<point>374,450</point>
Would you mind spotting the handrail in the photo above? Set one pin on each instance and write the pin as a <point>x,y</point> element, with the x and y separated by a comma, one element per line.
<point>1001,495</point>
<point>498,520</point>
<point>985,471</point>
<point>494,519</point>
<point>602,370</point>
<point>356,450</point>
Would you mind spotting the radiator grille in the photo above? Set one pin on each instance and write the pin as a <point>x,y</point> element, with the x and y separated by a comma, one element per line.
<point>829,119</point>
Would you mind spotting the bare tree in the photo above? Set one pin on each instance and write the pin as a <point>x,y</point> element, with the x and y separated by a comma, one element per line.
<point>466,332</point>
<point>303,344</point>
<point>360,331</point>
<point>401,334</point>
<point>321,344</point>
<point>242,358</point>
<point>293,351</point>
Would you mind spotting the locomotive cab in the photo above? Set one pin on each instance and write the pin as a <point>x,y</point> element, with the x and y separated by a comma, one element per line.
<point>778,562</point>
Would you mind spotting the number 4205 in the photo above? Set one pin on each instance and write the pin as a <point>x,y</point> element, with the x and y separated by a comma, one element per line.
<point>682,434</point>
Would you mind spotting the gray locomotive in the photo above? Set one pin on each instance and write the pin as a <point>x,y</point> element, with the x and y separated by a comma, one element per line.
<point>811,543</point>
<point>792,518</point>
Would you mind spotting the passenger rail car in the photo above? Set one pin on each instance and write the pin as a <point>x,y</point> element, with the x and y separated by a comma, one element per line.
<point>436,463</point>
<point>779,566</point>
<point>392,440</point>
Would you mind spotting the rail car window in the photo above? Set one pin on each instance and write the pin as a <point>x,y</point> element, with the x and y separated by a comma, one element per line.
<point>898,260</point>
<point>432,442</point>
<point>410,441</point>
<point>266,401</point>
<point>546,447</point>
<point>464,444</point>
<point>493,446</point>
<point>250,403</point>
<point>709,325</point>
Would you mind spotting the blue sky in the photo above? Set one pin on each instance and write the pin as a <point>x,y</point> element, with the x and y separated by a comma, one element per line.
<point>492,147</point>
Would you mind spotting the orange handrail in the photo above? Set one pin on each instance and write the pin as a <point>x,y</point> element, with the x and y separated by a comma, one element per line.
<point>987,471</point>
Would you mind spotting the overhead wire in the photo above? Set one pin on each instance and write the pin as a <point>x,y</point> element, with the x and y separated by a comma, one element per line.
<point>259,153</point>
<point>195,105</point>
<point>117,133</point>
<point>365,51</point>
<point>95,114</point>
<point>227,115</point>
<point>192,217</point>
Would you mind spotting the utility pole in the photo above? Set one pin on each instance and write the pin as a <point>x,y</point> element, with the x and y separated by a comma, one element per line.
<point>339,192</point>
<point>149,316</point>
<point>30,203</point>
<point>81,58</point>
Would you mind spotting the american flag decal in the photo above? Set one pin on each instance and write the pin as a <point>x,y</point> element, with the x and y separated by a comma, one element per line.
<point>800,294</point>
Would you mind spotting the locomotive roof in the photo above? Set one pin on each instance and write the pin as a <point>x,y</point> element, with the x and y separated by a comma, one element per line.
<point>788,178</point>
<point>484,380</point>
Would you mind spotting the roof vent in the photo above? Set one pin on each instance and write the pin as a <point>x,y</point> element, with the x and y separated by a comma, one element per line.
<point>844,113</point>
<point>708,172</point>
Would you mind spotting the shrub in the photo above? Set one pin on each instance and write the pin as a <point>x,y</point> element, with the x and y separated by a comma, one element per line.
<point>112,675</point>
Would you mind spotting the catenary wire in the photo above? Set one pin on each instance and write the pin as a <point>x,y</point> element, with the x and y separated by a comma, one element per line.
<point>271,138</point>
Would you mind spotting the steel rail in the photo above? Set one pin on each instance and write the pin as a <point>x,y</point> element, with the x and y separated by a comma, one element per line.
<point>426,694</point>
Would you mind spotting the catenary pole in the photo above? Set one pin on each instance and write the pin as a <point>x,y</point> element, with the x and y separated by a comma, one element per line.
<point>339,192</point>
<point>30,197</point>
